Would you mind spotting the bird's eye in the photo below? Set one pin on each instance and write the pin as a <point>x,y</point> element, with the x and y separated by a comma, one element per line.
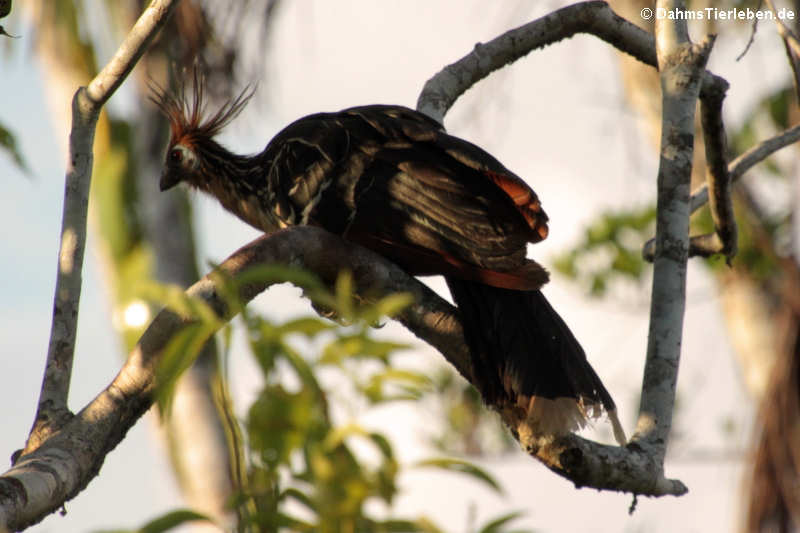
<point>175,155</point>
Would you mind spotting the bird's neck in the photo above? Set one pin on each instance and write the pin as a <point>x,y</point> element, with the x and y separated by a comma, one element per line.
<point>240,183</point>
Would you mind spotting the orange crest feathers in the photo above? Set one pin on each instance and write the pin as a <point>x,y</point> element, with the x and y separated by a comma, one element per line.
<point>187,119</point>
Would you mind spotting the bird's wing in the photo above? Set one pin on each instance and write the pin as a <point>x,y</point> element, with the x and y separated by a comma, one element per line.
<point>390,179</point>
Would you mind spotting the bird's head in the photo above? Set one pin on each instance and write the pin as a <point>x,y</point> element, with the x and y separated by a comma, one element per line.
<point>192,129</point>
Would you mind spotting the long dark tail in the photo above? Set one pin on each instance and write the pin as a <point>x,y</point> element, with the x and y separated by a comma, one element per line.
<point>525,356</point>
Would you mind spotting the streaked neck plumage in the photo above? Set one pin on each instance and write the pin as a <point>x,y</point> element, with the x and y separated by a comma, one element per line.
<point>240,183</point>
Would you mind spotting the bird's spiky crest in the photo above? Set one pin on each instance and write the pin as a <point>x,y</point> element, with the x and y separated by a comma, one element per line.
<point>188,119</point>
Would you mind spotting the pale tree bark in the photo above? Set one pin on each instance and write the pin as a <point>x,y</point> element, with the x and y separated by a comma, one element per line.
<point>194,434</point>
<point>762,318</point>
<point>61,465</point>
<point>87,103</point>
<point>681,65</point>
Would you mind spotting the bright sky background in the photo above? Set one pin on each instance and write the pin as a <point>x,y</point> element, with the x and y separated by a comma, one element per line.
<point>557,118</point>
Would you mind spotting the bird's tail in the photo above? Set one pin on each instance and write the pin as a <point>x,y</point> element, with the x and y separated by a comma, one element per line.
<point>526,359</point>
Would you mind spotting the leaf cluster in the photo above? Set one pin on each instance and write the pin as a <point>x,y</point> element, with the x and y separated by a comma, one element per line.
<point>610,249</point>
<point>301,468</point>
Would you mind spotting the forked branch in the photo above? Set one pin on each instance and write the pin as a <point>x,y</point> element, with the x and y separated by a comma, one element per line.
<point>41,481</point>
<point>52,410</point>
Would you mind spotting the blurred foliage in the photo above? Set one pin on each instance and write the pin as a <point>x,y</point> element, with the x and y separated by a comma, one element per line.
<point>612,244</point>
<point>165,522</point>
<point>304,469</point>
<point>466,427</point>
<point>752,256</point>
<point>771,115</point>
<point>611,248</point>
<point>8,143</point>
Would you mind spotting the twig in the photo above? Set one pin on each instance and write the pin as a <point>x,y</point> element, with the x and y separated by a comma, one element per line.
<point>753,30</point>
<point>790,44</point>
<point>724,238</point>
<point>746,161</point>
<point>52,411</point>
<point>736,169</point>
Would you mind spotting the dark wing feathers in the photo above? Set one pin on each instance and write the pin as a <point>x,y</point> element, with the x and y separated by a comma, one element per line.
<point>392,179</point>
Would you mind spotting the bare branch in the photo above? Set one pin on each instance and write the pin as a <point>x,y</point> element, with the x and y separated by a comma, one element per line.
<point>736,169</point>
<point>41,481</point>
<point>52,409</point>
<point>596,17</point>
<point>790,44</point>
<point>593,18</point>
<point>683,79</point>
<point>724,238</point>
<point>748,160</point>
<point>681,67</point>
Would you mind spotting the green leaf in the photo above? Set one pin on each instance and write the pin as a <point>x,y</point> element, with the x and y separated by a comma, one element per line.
<point>610,249</point>
<point>358,345</point>
<point>175,298</point>
<point>308,326</point>
<point>388,306</point>
<point>280,422</point>
<point>463,467</point>
<point>421,525</point>
<point>165,522</point>
<point>411,384</point>
<point>344,296</point>
<point>300,497</point>
<point>496,525</point>
<point>9,143</point>
<point>179,354</point>
<point>338,435</point>
<point>171,520</point>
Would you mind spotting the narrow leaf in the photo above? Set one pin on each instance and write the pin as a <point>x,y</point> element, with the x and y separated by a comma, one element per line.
<point>168,521</point>
<point>9,143</point>
<point>496,525</point>
<point>463,467</point>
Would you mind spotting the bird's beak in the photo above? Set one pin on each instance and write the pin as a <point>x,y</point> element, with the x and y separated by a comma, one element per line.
<point>168,180</point>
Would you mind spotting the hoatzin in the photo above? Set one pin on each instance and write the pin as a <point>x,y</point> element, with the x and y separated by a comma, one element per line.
<point>392,180</point>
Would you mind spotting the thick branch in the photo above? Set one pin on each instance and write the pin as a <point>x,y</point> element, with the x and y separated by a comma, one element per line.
<point>639,467</point>
<point>41,481</point>
<point>593,18</point>
<point>52,410</point>
<point>681,66</point>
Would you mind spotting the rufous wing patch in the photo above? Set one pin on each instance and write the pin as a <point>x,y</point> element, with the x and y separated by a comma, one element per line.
<point>525,200</point>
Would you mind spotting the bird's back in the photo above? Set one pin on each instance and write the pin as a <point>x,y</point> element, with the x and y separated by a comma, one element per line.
<point>391,179</point>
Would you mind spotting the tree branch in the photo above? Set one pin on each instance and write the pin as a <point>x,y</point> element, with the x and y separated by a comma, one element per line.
<point>52,410</point>
<point>718,179</point>
<point>736,169</point>
<point>47,475</point>
<point>593,18</point>
<point>739,166</point>
<point>681,65</point>
<point>41,481</point>
<point>791,46</point>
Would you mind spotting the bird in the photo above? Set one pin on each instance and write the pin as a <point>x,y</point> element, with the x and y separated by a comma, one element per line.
<point>391,179</point>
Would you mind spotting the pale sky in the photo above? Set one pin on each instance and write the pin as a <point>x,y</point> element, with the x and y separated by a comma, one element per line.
<point>557,118</point>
